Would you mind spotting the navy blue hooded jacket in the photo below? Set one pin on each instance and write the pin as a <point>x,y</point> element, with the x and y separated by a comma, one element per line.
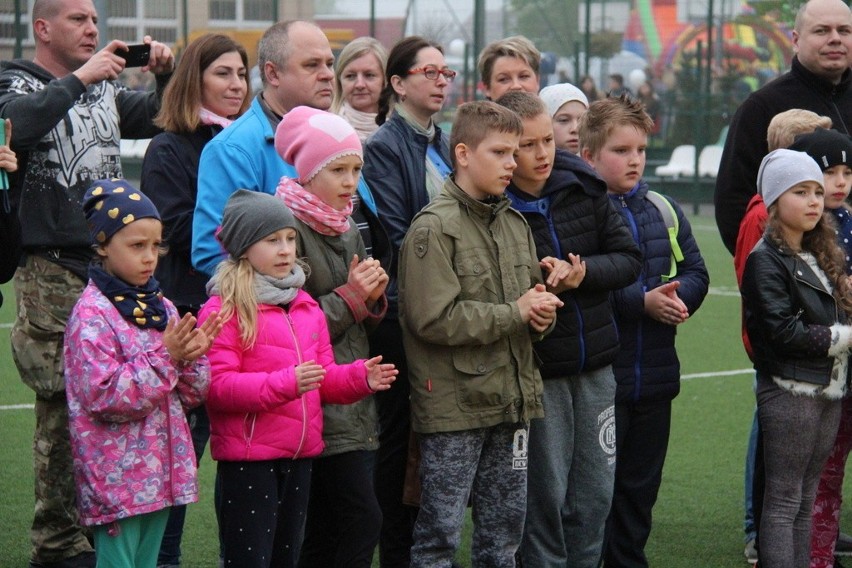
<point>647,367</point>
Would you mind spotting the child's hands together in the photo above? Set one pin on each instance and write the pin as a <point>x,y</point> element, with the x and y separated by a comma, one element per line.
<point>309,376</point>
<point>367,278</point>
<point>380,376</point>
<point>563,274</point>
<point>664,305</point>
<point>185,342</point>
<point>538,307</point>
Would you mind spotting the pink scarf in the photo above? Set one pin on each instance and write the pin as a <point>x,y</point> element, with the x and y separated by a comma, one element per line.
<point>313,211</point>
<point>210,117</point>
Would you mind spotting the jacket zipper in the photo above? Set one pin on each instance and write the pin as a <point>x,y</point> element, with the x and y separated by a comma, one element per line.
<point>301,398</point>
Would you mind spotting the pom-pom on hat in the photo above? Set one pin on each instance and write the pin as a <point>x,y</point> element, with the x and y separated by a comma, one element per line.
<point>248,217</point>
<point>828,147</point>
<point>111,204</point>
<point>554,96</point>
<point>310,139</point>
<point>782,169</point>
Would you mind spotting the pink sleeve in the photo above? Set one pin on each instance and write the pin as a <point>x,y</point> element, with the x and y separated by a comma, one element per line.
<point>343,384</point>
<point>115,381</point>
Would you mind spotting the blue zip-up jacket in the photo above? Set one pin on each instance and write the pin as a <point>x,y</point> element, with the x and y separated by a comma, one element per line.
<point>647,367</point>
<point>242,156</point>
<point>574,215</point>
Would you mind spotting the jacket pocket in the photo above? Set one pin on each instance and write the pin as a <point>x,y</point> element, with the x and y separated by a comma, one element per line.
<point>483,381</point>
<point>476,278</point>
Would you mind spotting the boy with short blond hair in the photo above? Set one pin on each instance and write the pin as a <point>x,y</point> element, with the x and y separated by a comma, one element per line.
<point>572,451</point>
<point>472,299</point>
<point>671,287</point>
<point>785,126</point>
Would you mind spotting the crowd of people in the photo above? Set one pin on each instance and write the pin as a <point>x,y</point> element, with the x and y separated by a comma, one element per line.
<point>376,324</point>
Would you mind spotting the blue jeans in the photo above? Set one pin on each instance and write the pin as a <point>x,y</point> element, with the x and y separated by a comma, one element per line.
<point>748,522</point>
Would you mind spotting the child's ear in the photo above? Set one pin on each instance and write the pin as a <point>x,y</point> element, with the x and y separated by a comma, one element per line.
<point>586,154</point>
<point>100,250</point>
<point>461,151</point>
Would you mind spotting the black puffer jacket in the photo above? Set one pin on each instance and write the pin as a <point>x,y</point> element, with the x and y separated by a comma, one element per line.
<point>574,215</point>
<point>647,367</point>
<point>787,313</point>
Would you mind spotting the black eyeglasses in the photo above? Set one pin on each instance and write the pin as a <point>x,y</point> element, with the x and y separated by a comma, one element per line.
<point>431,72</point>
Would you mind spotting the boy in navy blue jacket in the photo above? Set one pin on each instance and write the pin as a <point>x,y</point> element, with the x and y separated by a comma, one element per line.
<point>671,286</point>
<point>572,450</point>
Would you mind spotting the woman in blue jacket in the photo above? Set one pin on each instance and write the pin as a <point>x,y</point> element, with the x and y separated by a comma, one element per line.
<point>405,163</point>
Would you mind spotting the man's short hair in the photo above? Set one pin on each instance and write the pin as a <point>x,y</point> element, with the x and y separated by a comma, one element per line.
<point>274,46</point>
<point>514,46</point>
<point>474,121</point>
<point>605,115</point>
<point>785,126</point>
<point>45,9</point>
<point>525,105</point>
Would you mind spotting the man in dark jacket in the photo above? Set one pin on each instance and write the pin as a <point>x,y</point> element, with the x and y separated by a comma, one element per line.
<point>819,80</point>
<point>69,116</point>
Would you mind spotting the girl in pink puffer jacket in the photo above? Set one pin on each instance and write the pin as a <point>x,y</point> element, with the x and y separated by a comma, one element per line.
<point>272,367</point>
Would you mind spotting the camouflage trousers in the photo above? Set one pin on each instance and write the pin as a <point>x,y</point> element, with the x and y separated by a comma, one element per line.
<point>46,294</point>
<point>487,466</point>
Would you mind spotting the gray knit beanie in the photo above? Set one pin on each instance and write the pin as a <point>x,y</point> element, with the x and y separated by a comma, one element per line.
<point>249,216</point>
<point>782,169</point>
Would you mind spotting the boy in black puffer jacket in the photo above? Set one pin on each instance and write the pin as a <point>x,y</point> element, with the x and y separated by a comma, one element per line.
<point>572,450</point>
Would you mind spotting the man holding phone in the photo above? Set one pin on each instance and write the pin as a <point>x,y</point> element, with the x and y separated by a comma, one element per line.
<point>69,115</point>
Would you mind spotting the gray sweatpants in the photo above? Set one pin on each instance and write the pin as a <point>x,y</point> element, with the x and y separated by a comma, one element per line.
<point>571,473</point>
<point>490,465</point>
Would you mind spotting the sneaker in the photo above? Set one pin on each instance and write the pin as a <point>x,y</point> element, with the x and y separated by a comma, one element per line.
<point>843,547</point>
<point>750,552</point>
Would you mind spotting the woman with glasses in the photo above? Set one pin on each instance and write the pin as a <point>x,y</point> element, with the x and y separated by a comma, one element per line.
<point>405,163</point>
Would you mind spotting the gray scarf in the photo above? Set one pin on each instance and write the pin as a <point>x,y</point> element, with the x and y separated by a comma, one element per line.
<point>270,290</point>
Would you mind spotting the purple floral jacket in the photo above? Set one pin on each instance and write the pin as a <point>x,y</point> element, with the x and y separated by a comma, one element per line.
<point>130,441</point>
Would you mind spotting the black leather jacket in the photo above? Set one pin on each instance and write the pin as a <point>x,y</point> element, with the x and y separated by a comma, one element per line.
<point>788,312</point>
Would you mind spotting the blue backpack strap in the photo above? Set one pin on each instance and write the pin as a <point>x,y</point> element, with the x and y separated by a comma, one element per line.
<point>433,155</point>
<point>672,226</point>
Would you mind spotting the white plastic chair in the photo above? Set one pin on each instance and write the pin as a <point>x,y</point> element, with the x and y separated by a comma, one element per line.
<point>681,163</point>
<point>709,160</point>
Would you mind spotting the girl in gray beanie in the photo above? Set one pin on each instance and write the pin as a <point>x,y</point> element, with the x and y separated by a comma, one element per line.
<point>796,301</point>
<point>272,372</point>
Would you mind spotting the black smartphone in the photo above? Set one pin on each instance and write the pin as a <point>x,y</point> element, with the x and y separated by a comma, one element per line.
<point>135,55</point>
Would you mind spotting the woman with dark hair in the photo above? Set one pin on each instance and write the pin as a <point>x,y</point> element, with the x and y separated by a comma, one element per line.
<point>405,163</point>
<point>208,90</point>
<point>359,77</point>
<point>589,88</point>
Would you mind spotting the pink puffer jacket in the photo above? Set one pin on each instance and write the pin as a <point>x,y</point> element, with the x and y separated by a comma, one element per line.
<point>255,410</point>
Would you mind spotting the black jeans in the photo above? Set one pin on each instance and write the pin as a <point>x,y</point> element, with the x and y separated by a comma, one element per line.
<point>394,411</point>
<point>344,518</point>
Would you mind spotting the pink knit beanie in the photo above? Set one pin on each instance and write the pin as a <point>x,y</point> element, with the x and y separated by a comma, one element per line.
<point>310,139</point>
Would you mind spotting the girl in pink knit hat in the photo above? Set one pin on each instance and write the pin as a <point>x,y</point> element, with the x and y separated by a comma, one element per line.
<point>344,518</point>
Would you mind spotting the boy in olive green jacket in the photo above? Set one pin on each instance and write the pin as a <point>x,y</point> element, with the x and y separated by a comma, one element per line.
<point>472,299</point>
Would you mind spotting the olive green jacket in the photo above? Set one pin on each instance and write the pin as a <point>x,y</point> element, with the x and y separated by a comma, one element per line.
<point>346,427</point>
<point>463,265</point>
